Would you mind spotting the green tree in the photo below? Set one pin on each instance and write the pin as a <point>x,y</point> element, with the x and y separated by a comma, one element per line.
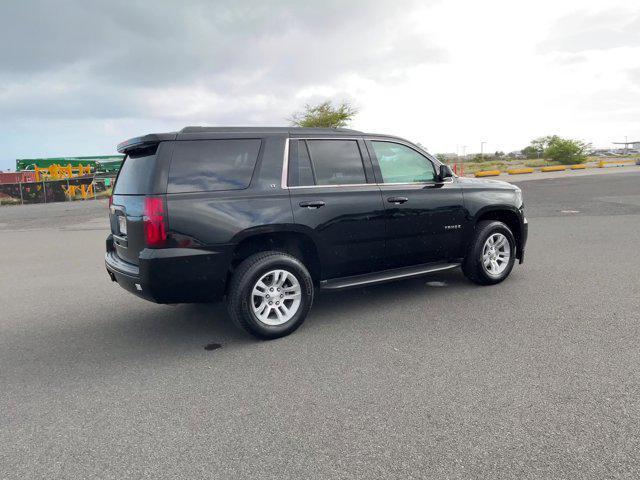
<point>324,115</point>
<point>538,146</point>
<point>532,152</point>
<point>562,150</point>
<point>566,151</point>
<point>542,143</point>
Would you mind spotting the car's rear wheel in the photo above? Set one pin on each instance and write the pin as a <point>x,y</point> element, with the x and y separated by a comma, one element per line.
<point>270,294</point>
<point>491,254</point>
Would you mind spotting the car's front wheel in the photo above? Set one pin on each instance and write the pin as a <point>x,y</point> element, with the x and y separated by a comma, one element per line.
<point>491,254</point>
<point>270,294</point>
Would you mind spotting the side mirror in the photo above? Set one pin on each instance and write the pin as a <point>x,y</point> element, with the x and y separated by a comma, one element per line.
<point>445,172</point>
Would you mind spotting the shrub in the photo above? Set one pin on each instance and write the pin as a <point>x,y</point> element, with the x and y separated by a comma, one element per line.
<point>566,151</point>
<point>562,150</point>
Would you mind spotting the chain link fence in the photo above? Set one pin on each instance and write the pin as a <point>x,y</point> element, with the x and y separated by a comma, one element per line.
<point>53,190</point>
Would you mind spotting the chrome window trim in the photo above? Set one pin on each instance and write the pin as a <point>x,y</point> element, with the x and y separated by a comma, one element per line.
<point>336,185</point>
<point>285,168</point>
<point>450,180</point>
<point>428,184</point>
<point>325,138</point>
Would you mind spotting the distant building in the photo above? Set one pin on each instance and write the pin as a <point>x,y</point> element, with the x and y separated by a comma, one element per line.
<point>17,177</point>
<point>633,145</point>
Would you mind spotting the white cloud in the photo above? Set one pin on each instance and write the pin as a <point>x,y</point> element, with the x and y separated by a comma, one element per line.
<point>447,74</point>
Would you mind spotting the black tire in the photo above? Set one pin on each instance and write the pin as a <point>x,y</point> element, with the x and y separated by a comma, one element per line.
<point>239,294</point>
<point>472,266</point>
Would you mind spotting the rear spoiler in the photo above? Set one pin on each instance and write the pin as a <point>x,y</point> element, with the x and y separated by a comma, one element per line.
<point>138,143</point>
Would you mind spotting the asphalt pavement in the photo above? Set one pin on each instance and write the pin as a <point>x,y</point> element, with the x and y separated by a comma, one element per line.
<point>538,377</point>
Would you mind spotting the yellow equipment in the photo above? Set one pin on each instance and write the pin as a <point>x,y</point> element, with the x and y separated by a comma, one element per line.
<point>59,172</point>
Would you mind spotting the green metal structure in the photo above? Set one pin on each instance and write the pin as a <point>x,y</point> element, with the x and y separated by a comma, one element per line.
<point>101,163</point>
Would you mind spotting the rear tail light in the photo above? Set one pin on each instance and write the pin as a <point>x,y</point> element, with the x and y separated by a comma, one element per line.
<point>110,201</point>
<point>155,223</point>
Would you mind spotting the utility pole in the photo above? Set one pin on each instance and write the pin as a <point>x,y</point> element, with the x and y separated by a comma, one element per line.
<point>482,149</point>
<point>626,144</point>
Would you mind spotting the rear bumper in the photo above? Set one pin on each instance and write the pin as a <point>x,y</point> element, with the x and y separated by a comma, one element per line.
<point>171,275</point>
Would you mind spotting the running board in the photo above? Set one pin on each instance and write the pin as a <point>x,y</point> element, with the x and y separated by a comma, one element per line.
<point>385,275</point>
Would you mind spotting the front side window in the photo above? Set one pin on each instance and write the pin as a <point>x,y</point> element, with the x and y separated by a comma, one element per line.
<point>336,162</point>
<point>210,165</point>
<point>401,164</point>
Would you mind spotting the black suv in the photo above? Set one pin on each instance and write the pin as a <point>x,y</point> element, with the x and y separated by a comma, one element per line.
<point>266,216</point>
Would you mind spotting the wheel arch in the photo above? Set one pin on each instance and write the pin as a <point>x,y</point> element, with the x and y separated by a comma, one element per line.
<point>508,215</point>
<point>289,239</point>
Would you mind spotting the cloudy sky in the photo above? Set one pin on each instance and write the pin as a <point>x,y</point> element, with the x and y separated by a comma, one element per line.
<point>77,77</point>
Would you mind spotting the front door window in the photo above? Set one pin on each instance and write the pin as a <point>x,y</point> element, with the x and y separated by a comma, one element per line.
<point>401,164</point>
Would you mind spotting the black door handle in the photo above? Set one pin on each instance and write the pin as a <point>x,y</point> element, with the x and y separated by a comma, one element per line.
<point>397,200</point>
<point>312,204</point>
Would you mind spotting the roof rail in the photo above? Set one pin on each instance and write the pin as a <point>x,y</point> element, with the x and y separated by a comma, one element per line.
<point>200,129</point>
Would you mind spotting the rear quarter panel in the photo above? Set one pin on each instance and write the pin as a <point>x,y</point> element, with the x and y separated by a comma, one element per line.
<point>214,218</point>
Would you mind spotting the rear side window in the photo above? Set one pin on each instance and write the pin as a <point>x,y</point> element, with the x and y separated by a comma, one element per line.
<point>336,162</point>
<point>209,165</point>
<point>137,173</point>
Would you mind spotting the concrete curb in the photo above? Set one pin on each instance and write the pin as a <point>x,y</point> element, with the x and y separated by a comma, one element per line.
<point>616,163</point>
<point>568,173</point>
<point>488,173</point>
<point>520,171</point>
<point>555,168</point>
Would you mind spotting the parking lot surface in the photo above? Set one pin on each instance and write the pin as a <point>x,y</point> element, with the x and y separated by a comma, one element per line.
<point>538,377</point>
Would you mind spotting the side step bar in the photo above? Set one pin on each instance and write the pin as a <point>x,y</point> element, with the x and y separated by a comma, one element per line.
<point>385,275</point>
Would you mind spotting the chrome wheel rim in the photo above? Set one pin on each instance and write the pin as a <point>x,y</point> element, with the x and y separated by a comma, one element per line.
<point>275,297</point>
<point>496,254</point>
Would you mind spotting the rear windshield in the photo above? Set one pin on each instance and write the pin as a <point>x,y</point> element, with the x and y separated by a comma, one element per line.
<point>209,165</point>
<point>136,173</point>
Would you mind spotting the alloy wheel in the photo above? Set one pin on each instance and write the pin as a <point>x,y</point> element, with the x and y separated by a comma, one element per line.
<point>276,297</point>
<point>496,254</point>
